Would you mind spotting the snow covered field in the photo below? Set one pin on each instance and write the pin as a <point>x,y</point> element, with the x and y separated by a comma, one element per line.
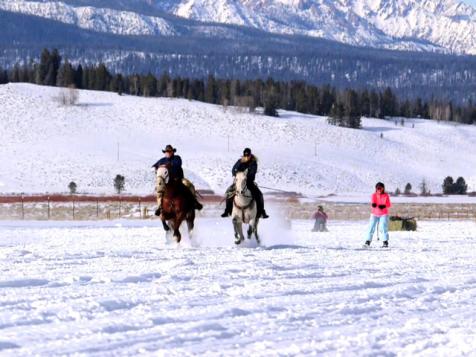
<point>44,146</point>
<point>118,288</point>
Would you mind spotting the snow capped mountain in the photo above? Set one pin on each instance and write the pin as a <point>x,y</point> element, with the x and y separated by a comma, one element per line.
<point>91,18</point>
<point>407,24</point>
<point>429,25</point>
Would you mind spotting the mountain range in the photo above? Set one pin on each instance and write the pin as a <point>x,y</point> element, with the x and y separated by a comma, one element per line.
<point>416,48</point>
<point>431,25</point>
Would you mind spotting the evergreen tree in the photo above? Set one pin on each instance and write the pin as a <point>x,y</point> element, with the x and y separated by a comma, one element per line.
<point>408,188</point>
<point>374,105</point>
<point>211,90</point>
<point>149,85</point>
<point>271,105</point>
<point>119,183</point>
<point>3,76</point>
<point>162,85</point>
<point>336,114</point>
<point>52,67</point>
<point>117,84</point>
<point>351,110</point>
<point>14,74</point>
<point>72,187</point>
<point>460,186</point>
<point>43,66</point>
<point>389,103</point>
<point>66,75</point>
<point>448,185</point>
<point>102,77</point>
<point>78,77</point>
<point>365,103</point>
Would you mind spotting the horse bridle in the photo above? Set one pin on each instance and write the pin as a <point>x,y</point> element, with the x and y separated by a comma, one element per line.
<point>243,190</point>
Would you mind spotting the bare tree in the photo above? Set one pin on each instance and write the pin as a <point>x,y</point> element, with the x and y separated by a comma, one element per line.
<point>68,96</point>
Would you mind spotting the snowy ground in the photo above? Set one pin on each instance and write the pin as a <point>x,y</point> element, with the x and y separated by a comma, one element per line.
<point>118,288</point>
<point>44,146</point>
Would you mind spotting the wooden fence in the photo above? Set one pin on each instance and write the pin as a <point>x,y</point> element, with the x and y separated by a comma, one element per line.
<point>143,207</point>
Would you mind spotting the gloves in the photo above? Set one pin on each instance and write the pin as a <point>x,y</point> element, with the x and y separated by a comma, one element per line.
<point>374,205</point>
<point>382,206</point>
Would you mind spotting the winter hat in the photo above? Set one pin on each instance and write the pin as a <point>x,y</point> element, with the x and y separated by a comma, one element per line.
<point>380,185</point>
<point>247,152</point>
<point>169,148</point>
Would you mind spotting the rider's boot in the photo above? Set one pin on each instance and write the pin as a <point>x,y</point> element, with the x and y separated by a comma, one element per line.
<point>157,211</point>
<point>198,205</point>
<point>260,207</point>
<point>228,207</point>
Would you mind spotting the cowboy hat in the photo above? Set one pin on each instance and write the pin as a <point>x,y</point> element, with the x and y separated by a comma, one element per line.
<point>169,148</point>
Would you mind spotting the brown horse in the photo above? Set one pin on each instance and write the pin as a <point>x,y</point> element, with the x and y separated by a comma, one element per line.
<point>176,202</point>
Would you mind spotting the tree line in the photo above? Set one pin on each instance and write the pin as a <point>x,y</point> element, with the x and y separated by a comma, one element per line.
<point>344,107</point>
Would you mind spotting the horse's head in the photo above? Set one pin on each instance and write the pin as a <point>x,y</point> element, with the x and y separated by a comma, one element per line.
<point>240,182</point>
<point>162,178</point>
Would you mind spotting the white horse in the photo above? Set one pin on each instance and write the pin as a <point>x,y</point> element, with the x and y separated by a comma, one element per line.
<point>244,209</point>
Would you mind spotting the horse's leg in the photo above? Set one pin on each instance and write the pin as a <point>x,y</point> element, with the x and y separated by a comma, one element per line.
<point>238,230</point>
<point>164,224</point>
<point>177,222</point>
<point>190,222</point>
<point>255,229</point>
<point>250,230</point>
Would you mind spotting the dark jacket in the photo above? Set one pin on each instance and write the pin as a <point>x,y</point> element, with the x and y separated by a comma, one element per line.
<point>251,165</point>
<point>174,165</point>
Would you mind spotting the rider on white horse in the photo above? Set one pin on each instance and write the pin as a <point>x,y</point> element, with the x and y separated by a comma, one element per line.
<point>247,162</point>
<point>174,165</point>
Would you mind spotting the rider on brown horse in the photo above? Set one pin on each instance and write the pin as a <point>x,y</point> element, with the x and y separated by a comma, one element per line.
<point>248,161</point>
<point>174,165</point>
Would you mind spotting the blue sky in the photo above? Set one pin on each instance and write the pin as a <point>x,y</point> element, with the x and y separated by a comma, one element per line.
<point>471,2</point>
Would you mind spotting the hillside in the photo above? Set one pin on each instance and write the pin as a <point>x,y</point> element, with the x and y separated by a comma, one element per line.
<point>45,145</point>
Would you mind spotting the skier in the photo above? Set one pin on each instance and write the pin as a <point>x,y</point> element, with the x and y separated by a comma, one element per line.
<point>320,220</point>
<point>380,202</point>
<point>174,165</point>
<point>248,161</point>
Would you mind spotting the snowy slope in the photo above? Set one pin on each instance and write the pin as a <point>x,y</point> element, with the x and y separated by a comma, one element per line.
<point>45,145</point>
<point>430,25</point>
<point>116,289</point>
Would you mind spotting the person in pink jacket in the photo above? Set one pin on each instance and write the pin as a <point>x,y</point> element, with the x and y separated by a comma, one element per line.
<point>380,203</point>
<point>320,218</point>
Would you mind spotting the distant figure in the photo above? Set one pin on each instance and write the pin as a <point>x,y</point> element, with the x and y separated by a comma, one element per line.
<point>320,220</point>
<point>380,202</point>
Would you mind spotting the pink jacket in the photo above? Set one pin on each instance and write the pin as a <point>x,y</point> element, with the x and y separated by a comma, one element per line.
<point>380,199</point>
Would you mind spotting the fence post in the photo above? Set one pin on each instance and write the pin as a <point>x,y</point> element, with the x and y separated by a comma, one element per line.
<point>140,211</point>
<point>73,208</point>
<point>120,206</point>
<point>48,207</point>
<point>97,208</point>
<point>22,206</point>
